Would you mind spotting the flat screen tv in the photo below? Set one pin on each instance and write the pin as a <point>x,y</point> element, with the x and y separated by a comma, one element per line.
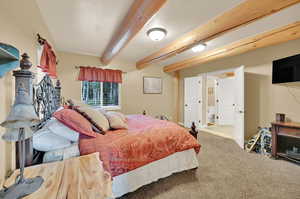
<point>286,70</point>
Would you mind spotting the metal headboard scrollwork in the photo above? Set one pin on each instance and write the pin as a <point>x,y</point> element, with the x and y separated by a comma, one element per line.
<point>46,98</point>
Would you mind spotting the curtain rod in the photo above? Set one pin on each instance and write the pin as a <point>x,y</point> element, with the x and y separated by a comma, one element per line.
<point>78,67</point>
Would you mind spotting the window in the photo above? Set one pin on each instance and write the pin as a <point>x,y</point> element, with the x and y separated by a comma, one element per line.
<point>103,94</point>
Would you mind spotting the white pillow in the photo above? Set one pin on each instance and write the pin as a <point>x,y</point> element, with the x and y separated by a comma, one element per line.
<point>60,108</point>
<point>62,130</point>
<point>45,140</point>
<point>62,154</point>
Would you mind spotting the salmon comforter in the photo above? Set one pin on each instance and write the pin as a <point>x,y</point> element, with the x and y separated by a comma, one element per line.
<point>146,140</point>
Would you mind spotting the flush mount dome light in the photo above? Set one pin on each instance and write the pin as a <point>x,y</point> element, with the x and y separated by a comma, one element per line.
<point>156,34</point>
<point>199,47</point>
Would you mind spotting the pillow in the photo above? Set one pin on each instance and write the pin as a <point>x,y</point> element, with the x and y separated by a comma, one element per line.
<point>45,140</point>
<point>121,115</point>
<point>115,121</point>
<point>62,130</point>
<point>75,121</point>
<point>60,108</point>
<point>95,117</point>
<point>62,154</point>
<point>103,111</point>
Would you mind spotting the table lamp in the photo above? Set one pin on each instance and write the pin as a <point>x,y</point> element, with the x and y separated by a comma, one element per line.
<point>18,124</point>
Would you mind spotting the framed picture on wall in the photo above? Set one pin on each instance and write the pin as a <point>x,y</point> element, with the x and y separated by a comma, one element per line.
<point>152,85</point>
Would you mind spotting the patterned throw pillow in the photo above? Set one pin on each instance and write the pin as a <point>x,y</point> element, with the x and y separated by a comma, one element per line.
<point>75,121</point>
<point>115,121</point>
<point>97,118</point>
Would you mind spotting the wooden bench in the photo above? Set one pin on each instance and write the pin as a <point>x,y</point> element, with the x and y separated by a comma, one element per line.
<point>80,177</point>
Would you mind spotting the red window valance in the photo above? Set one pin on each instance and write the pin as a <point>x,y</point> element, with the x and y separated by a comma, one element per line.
<point>94,74</point>
<point>48,60</point>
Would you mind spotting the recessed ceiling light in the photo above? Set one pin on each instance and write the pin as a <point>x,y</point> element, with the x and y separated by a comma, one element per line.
<point>157,34</point>
<point>199,48</point>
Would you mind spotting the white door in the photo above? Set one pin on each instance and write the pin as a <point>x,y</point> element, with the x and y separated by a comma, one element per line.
<point>225,100</point>
<point>193,101</point>
<point>239,116</point>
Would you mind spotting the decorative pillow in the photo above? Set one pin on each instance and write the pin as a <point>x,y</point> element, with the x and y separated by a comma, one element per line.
<point>45,140</point>
<point>62,130</point>
<point>121,115</point>
<point>103,111</point>
<point>95,117</point>
<point>115,121</point>
<point>75,121</point>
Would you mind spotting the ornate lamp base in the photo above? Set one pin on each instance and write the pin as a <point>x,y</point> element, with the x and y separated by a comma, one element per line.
<point>24,188</point>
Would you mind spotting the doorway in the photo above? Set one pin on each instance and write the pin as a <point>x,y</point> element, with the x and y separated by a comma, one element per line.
<point>224,94</point>
<point>215,103</point>
<point>220,104</point>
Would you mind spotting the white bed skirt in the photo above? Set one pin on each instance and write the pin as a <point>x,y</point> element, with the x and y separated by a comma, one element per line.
<point>131,181</point>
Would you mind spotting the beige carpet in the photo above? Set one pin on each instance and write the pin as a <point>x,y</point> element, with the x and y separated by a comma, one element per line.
<point>227,172</point>
<point>220,130</point>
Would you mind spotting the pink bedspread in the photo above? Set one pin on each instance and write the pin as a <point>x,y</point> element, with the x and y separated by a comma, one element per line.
<point>146,140</point>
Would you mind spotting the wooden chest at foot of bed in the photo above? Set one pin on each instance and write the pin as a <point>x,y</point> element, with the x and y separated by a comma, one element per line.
<point>80,177</point>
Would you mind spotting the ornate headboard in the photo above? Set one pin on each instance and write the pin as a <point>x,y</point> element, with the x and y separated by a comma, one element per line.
<point>46,98</point>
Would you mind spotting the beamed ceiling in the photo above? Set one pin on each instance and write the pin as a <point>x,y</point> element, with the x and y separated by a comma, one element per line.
<point>94,27</point>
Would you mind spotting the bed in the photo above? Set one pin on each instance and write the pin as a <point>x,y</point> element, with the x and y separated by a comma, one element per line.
<point>149,150</point>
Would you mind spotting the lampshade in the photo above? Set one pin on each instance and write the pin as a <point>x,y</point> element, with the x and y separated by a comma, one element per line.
<point>12,135</point>
<point>22,113</point>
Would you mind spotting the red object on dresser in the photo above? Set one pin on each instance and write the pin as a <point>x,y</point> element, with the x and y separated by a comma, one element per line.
<point>75,121</point>
<point>146,140</point>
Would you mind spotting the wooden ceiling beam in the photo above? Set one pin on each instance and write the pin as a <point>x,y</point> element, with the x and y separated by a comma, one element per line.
<point>246,12</point>
<point>276,36</point>
<point>137,16</point>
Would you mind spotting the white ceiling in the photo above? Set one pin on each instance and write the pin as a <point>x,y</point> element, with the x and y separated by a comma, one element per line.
<point>86,26</point>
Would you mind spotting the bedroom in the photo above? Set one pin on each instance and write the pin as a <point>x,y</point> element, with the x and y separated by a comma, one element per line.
<point>79,38</point>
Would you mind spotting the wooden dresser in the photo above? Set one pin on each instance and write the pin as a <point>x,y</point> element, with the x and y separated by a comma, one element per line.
<point>285,136</point>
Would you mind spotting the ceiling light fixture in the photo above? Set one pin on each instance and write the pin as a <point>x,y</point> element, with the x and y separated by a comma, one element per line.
<point>199,47</point>
<point>157,34</point>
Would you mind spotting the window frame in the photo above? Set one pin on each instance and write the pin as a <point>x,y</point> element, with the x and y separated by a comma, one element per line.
<point>113,107</point>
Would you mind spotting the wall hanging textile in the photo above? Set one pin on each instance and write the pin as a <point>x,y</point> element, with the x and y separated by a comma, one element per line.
<point>48,60</point>
<point>94,74</point>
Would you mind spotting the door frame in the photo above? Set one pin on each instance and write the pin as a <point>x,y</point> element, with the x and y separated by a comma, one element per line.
<point>240,110</point>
